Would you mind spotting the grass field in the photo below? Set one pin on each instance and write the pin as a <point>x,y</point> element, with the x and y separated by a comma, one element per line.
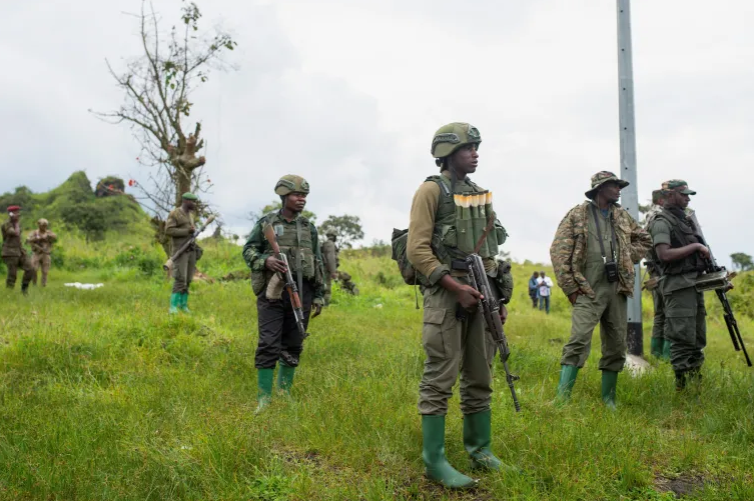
<point>103,396</point>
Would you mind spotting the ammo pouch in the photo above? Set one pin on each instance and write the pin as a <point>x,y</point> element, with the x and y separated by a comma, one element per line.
<point>259,281</point>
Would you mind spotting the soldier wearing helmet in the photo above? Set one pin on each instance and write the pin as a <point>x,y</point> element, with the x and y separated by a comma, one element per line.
<point>331,261</point>
<point>13,252</point>
<point>41,241</point>
<point>279,338</point>
<point>180,228</point>
<point>438,242</point>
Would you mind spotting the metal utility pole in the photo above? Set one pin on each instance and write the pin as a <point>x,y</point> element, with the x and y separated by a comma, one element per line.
<point>629,195</point>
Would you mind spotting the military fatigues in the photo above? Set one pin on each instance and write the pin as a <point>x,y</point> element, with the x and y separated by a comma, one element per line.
<point>685,322</point>
<point>41,246</point>
<point>15,256</point>
<point>279,338</point>
<point>346,284</point>
<point>331,260</point>
<point>658,325</point>
<point>178,227</point>
<point>451,345</point>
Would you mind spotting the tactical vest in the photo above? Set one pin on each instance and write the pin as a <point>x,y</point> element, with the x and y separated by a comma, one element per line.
<point>295,241</point>
<point>681,235</point>
<point>455,238</point>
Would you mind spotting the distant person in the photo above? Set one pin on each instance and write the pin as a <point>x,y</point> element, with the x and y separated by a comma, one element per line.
<point>680,257</point>
<point>279,338</point>
<point>13,252</point>
<point>533,287</point>
<point>593,254</point>
<point>41,241</point>
<point>660,345</point>
<point>180,226</point>
<point>437,251</point>
<point>331,261</point>
<point>346,284</point>
<point>544,290</point>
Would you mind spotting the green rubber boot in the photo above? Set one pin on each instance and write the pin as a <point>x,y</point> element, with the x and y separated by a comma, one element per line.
<point>609,382</point>
<point>568,375</point>
<point>656,347</point>
<point>666,350</point>
<point>285,377</point>
<point>264,393</point>
<point>477,431</point>
<point>184,303</point>
<point>433,454</point>
<point>175,302</point>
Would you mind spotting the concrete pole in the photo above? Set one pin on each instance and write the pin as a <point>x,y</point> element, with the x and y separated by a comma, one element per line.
<point>629,195</point>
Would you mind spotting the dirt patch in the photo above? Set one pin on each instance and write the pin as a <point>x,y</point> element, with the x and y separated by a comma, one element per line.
<point>682,485</point>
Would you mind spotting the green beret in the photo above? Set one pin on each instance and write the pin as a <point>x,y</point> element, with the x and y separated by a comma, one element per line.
<point>190,196</point>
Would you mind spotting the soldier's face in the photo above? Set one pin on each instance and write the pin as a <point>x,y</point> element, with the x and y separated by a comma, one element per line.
<point>295,202</point>
<point>611,191</point>
<point>465,159</point>
<point>14,216</point>
<point>680,200</point>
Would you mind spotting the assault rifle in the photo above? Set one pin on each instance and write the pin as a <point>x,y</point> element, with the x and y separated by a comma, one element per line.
<point>188,243</point>
<point>290,283</point>
<point>490,309</point>
<point>717,278</point>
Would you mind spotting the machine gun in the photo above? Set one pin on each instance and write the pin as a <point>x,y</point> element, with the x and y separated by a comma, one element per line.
<point>188,243</point>
<point>490,309</point>
<point>717,278</point>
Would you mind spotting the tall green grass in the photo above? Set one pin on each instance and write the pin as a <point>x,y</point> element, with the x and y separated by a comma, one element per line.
<point>104,396</point>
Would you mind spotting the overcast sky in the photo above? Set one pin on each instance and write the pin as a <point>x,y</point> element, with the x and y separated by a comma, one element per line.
<point>348,93</point>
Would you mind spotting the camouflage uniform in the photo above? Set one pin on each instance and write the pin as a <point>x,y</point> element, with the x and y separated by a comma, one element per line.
<point>346,284</point>
<point>279,337</point>
<point>14,255</point>
<point>452,343</point>
<point>178,227</point>
<point>41,241</point>
<point>579,266</point>
<point>685,313</point>
<point>331,261</point>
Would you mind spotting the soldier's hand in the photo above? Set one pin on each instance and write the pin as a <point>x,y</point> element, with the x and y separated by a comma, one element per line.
<point>192,229</point>
<point>317,309</point>
<point>468,296</point>
<point>503,314</point>
<point>704,251</point>
<point>573,297</point>
<point>334,276</point>
<point>274,264</point>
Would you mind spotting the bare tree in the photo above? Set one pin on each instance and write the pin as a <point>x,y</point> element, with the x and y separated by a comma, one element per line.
<point>157,87</point>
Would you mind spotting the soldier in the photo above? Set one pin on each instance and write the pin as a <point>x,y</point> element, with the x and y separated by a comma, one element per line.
<point>13,253</point>
<point>279,337</point>
<point>346,284</point>
<point>593,256</point>
<point>180,227</point>
<point>681,260</point>
<point>41,241</point>
<point>331,260</point>
<point>660,346</point>
<point>454,335</point>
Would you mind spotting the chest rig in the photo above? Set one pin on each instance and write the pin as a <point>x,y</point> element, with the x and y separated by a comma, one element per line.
<point>295,240</point>
<point>682,233</point>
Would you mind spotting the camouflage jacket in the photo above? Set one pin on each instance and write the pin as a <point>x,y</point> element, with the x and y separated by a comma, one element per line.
<point>12,241</point>
<point>41,243</point>
<point>568,249</point>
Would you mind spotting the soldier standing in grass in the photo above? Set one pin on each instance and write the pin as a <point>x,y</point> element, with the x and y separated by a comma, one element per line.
<point>41,241</point>
<point>13,253</point>
<point>330,253</point>
<point>660,346</point>
<point>279,337</point>
<point>454,344</point>
<point>593,256</point>
<point>180,227</point>
<point>680,258</point>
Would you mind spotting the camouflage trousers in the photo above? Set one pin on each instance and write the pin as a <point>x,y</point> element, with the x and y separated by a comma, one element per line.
<point>608,309</point>
<point>454,346</point>
<point>183,271</point>
<point>686,328</point>
<point>13,264</point>
<point>40,261</point>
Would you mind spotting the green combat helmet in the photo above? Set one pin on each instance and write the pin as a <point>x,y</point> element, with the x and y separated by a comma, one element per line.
<point>290,183</point>
<point>449,138</point>
<point>331,232</point>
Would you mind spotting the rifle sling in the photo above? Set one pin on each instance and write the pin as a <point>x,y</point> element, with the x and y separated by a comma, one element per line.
<point>599,234</point>
<point>299,272</point>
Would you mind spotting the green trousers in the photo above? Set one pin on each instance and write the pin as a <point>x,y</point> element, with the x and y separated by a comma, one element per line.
<point>13,264</point>
<point>183,271</point>
<point>454,346</point>
<point>658,327</point>
<point>686,327</point>
<point>608,309</point>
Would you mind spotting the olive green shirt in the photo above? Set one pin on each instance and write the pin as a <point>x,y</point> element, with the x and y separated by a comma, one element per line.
<point>178,226</point>
<point>11,240</point>
<point>660,231</point>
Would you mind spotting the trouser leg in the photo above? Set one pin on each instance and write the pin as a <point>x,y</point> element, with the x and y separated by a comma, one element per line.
<point>478,354</point>
<point>190,268</point>
<point>180,273</point>
<point>585,316</point>
<point>441,339</point>
<point>35,264</point>
<point>271,319</point>
<point>686,328</point>
<point>25,264</point>
<point>11,263</point>
<point>46,262</point>
<point>292,341</point>
<point>613,330</point>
